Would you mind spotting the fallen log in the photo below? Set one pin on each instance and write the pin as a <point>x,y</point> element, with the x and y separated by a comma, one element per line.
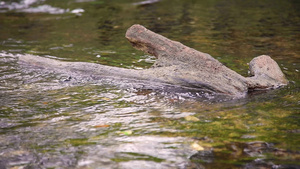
<point>179,64</point>
<point>176,64</point>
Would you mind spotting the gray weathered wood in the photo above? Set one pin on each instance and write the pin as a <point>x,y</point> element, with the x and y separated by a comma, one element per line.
<point>186,66</point>
<point>176,64</point>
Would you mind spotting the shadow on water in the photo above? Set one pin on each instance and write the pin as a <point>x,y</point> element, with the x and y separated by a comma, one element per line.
<point>53,121</point>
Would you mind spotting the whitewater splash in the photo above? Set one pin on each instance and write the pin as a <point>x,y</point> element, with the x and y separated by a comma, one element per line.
<point>34,6</point>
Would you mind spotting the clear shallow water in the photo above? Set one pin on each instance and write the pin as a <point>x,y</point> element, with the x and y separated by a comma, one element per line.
<point>46,122</point>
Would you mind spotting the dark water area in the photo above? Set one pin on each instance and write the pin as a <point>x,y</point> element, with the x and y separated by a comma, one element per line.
<point>48,122</point>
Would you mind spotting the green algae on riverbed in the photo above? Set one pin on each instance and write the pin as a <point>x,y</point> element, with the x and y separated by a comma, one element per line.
<point>47,121</point>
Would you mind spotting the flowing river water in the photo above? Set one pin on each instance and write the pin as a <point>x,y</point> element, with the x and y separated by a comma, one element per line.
<point>51,121</point>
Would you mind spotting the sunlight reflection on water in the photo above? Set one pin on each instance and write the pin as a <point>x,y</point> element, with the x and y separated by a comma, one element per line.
<point>141,152</point>
<point>79,116</point>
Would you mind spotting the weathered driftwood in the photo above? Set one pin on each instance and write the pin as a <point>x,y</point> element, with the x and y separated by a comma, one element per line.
<point>179,64</point>
<point>176,64</point>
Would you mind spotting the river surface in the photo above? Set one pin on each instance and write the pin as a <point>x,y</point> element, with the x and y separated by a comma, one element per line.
<point>50,121</point>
